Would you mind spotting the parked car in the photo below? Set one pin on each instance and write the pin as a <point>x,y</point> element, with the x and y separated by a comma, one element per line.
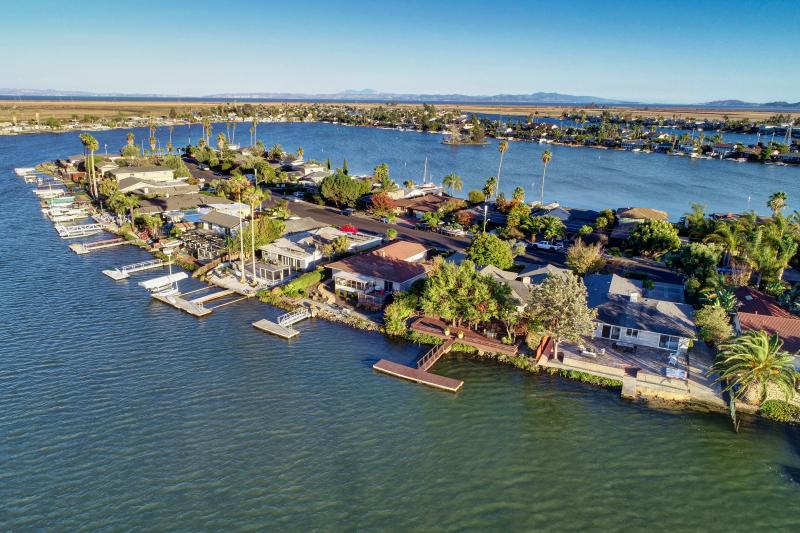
<point>453,232</point>
<point>299,194</point>
<point>203,167</point>
<point>549,246</point>
<point>348,211</point>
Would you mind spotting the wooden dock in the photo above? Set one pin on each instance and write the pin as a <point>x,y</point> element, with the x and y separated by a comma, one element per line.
<point>200,300</point>
<point>418,376</point>
<point>275,329</point>
<point>85,248</point>
<point>187,306</point>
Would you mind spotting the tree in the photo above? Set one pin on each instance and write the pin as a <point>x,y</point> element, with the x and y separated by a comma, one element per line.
<point>453,182</point>
<point>557,307</point>
<point>777,202</point>
<point>253,196</point>
<point>381,173</point>
<point>109,187</point>
<point>488,249</point>
<point>548,226</point>
<point>490,187</point>
<point>476,197</point>
<point>714,324</point>
<point>518,194</point>
<point>342,189</point>
<point>585,258</point>
<point>129,203</point>
<point>382,205</point>
<point>654,237</point>
<point>408,184</point>
<point>502,147</point>
<point>391,234</point>
<point>91,145</point>
<point>236,185</point>
<point>750,363</point>
<point>275,153</point>
<point>518,216</point>
<point>546,157</point>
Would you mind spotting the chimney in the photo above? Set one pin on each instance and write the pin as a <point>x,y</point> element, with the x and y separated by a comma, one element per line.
<point>634,296</point>
<point>526,280</point>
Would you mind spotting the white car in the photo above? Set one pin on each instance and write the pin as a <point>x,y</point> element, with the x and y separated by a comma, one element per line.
<point>549,246</point>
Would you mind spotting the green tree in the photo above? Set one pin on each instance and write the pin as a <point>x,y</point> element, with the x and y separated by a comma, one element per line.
<point>343,190</point>
<point>752,362</point>
<point>777,202</point>
<point>714,324</point>
<point>253,197</point>
<point>557,307</point>
<point>391,234</point>
<point>548,226</point>
<point>490,187</point>
<point>381,173</point>
<point>488,249</point>
<point>476,197</point>
<point>547,155</point>
<point>518,194</point>
<point>585,258</point>
<point>502,147</point>
<point>654,238</point>
<point>453,182</point>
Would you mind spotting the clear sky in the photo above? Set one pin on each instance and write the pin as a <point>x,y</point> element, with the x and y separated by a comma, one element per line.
<point>673,51</point>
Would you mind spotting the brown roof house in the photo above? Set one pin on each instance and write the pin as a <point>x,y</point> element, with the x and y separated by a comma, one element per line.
<point>368,278</point>
<point>758,311</point>
<point>628,217</point>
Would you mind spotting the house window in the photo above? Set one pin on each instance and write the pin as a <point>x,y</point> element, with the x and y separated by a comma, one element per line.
<point>667,342</point>
<point>633,333</point>
<point>610,332</point>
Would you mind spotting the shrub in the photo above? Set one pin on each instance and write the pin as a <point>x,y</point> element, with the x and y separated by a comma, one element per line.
<point>301,284</point>
<point>714,324</point>
<point>476,197</point>
<point>391,234</point>
<point>780,411</point>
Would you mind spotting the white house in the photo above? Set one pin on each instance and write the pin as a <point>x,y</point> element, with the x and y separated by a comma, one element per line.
<point>629,313</point>
<point>220,223</point>
<point>148,173</point>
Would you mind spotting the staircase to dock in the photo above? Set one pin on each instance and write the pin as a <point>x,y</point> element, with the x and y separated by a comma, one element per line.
<point>125,271</point>
<point>83,230</point>
<point>434,354</point>
<point>85,248</point>
<point>289,319</point>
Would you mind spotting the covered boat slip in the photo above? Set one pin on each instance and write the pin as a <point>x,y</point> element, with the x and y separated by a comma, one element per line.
<point>161,282</point>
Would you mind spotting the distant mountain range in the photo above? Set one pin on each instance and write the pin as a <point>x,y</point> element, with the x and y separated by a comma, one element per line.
<point>371,95</point>
<point>740,103</point>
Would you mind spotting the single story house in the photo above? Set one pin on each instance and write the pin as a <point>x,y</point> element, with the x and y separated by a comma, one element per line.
<point>419,205</point>
<point>150,173</point>
<point>625,314</point>
<point>369,277</point>
<point>758,311</point>
<point>220,223</point>
<point>628,217</point>
<point>159,188</point>
<point>302,250</point>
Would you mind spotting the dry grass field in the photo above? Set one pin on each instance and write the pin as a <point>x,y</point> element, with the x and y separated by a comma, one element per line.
<point>65,109</point>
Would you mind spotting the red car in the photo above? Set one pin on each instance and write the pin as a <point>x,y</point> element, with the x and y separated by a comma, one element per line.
<point>349,228</point>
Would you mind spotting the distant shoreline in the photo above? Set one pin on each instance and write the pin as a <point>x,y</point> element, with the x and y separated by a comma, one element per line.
<point>25,108</point>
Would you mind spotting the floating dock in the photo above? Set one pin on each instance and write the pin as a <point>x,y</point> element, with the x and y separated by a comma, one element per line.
<point>125,271</point>
<point>418,376</point>
<point>180,303</point>
<point>283,326</point>
<point>84,230</point>
<point>85,248</point>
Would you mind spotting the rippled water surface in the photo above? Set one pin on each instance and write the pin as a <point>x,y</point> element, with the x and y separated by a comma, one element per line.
<point>119,413</point>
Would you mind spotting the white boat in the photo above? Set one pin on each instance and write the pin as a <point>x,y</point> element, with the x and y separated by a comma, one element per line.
<point>71,216</point>
<point>163,283</point>
<point>22,171</point>
<point>49,193</point>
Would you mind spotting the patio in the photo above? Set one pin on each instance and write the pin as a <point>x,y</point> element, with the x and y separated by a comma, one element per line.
<point>611,353</point>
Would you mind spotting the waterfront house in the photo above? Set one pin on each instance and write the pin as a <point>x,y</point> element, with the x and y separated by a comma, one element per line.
<point>220,223</point>
<point>632,316</point>
<point>157,188</point>
<point>687,147</point>
<point>758,311</point>
<point>633,144</point>
<point>520,283</point>
<point>147,173</point>
<point>574,219</point>
<point>369,277</point>
<point>723,149</point>
<point>303,250</point>
<point>417,206</point>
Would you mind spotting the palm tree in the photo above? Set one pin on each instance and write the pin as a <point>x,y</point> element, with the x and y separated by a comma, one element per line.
<point>300,152</point>
<point>777,202</point>
<point>237,185</point>
<point>408,184</point>
<point>255,131</point>
<point>546,157</point>
<point>490,188</point>
<point>502,147</point>
<point>731,237</point>
<point>253,196</point>
<point>453,182</point>
<point>131,138</point>
<point>169,143</point>
<point>91,145</point>
<point>751,363</point>
<point>221,141</point>
<point>130,202</point>
<point>387,184</point>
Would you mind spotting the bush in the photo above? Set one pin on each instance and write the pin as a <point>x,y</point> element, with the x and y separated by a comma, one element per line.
<point>391,234</point>
<point>714,324</point>
<point>298,286</point>
<point>780,411</point>
<point>476,197</point>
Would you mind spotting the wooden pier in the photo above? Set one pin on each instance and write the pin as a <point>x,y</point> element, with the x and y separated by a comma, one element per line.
<point>187,306</point>
<point>418,376</point>
<point>85,248</point>
<point>125,271</point>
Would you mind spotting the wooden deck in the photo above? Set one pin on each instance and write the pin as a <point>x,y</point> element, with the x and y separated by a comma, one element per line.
<point>275,329</point>
<point>418,376</point>
<point>184,305</point>
<point>435,327</point>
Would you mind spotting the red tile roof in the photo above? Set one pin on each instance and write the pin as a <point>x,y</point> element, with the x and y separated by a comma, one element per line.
<point>759,311</point>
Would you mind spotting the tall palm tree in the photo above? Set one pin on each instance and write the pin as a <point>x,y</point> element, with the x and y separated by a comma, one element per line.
<point>130,138</point>
<point>91,145</point>
<point>255,131</point>
<point>130,202</point>
<point>453,182</point>
<point>502,147</point>
<point>546,157</point>
<point>751,363</point>
<point>221,141</point>
<point>730,237</point>
<point>253,196</point>
<point>237,185</point>
<point>300,152</point>
<point>169,143</point>
<point>777,202</point>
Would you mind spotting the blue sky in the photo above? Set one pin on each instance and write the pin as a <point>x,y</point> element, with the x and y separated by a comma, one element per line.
<point>673,52</point>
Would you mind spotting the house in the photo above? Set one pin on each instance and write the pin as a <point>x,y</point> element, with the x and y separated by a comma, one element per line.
<point>758,311</point>
<point>633,144</point>
<point>628,217</point>
<point>369,277</point>
<point>687,148</point>
<point>158,188</point>
<point>628,313</point>
<point>574,219</point>
<point>147,173</point>
<point>220,223</point>
<point>723,149</point>
<point>520,283</point>
<point>179,202</point>
<point>419,205</point>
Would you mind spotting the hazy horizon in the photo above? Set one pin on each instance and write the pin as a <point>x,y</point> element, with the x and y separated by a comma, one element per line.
<point>678,53</point>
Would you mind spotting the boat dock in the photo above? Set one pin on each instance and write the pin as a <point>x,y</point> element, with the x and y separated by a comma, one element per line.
<point>83,230</point>
<point>421,374</point>
<point>283,326</point>
<point>123,272</point>
<point>197,306</point>
<point>182,304</point>
<point>85,248</point>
